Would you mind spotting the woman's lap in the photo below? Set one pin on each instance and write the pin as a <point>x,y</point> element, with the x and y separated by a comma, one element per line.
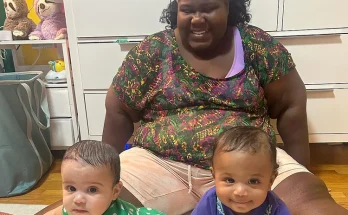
<point>162,184</point>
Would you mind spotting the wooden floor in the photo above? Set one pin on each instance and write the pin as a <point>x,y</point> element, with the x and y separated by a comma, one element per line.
<point>49,190</point>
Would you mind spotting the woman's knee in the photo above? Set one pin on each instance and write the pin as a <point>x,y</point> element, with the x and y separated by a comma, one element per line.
<point>304,193</point>
<point>127,196</point>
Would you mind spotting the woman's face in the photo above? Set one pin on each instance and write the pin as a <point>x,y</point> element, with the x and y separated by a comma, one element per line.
<point>202,23</point>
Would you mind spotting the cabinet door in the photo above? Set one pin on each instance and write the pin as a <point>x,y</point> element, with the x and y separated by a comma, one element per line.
<point>315,14</point>
<point>264,14</point>
<point>320,59</point>
<point>58,102</point>
<point>95,108</point>
<point>62,134</point>
<point>104,18</point>
<point>327,113</point>
<point>99,63</point>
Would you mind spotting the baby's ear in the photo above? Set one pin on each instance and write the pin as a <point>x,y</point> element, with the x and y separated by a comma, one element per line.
<point>212,172</point>
<point>117,190</point>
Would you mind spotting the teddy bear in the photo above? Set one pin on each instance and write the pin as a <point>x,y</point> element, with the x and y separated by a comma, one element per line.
<point>53,24</point>
<point>17,20</point>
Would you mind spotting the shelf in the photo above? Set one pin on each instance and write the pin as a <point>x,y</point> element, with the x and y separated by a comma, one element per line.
<point>32,42</point>
<point>62,85</point>
<point>37,43</point>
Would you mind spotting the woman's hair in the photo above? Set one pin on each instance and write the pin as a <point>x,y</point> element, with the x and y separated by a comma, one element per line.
<point>96,154</point>
<point>248,139</point>
<point>238,13</point>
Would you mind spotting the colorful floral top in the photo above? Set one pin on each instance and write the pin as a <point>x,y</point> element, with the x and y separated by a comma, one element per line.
<point>210,204</point>
<point>184,110</point>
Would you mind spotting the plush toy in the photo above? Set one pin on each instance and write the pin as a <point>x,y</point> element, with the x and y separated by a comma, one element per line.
<point>57,74</point>
<point>17,20</point>
<point>52,25</point>
<point>57,65</point>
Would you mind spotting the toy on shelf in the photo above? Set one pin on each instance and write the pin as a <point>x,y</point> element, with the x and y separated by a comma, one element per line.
<point>17,20</point>
<point>52,25</point>
<point>57,74</point>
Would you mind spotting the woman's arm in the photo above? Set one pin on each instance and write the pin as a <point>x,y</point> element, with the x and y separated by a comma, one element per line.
<point>118,124</point>
<point>287,100</point>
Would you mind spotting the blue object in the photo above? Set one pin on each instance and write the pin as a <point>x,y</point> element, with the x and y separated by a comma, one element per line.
<point>127,146</point>
<point>24,132</point>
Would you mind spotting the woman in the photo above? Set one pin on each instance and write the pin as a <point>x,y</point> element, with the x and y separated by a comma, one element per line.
<point>208,71</point>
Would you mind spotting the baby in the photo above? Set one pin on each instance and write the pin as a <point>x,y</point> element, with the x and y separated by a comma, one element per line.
<point>91,182</point>
<point>244,167</point>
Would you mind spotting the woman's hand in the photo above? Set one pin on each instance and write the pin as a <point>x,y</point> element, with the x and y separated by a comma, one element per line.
<point>287,100</point>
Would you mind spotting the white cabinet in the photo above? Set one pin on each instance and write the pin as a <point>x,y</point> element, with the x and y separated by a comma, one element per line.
<point>95,108</point>
<point>62,133</point>
<point>58,100</point>
<point>104,18</point>
<point>320,59</point>
<point>264,14</point>
<point>99,63</point>
<point>315,14</point>
<point>326,115</point>
<point>325,108</point>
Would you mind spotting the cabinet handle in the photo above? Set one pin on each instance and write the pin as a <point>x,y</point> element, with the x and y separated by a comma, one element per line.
<point>127,41</point>
<point>320,88</point>
<point>119,41</point>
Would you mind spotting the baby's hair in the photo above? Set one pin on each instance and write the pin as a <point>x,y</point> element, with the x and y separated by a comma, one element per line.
<point>247,139</point>
<point>96,154</point>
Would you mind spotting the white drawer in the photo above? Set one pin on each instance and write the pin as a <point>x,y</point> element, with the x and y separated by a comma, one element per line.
<point>61,133</point>
<point>95,108</point>
<point>99,63</point>
<point>58,102</point>
<point>327,112</point>
<point>315,14</point>
<point>104,18</point>
<point>264,14</point>
<point>320,59</point>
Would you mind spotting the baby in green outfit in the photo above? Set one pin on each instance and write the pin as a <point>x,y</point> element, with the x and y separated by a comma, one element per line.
<point>91,182</point>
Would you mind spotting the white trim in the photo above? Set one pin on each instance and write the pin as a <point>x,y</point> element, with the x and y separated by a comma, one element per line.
<point>32,42</point>
<point>75,62</point>
<point>71,91</point>
<point>323,138</point>
<point>314,32</point>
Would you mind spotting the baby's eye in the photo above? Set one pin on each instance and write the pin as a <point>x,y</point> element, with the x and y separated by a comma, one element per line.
<point>71,188</point>
<point>254,181</point>
<point>92,190</point>
<point>229,180</point>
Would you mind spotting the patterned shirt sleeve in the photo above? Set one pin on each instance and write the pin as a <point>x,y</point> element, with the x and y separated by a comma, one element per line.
<point>133,81</point>
<point>273,59</point>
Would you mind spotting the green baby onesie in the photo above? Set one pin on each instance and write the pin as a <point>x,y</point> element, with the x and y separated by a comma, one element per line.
<point>119,207</point>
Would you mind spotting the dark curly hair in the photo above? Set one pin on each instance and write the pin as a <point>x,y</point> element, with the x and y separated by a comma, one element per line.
<point>238,13</point>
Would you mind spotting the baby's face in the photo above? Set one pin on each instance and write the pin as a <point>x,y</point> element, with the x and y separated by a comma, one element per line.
<point>87,190</point>
<point>242,179</point>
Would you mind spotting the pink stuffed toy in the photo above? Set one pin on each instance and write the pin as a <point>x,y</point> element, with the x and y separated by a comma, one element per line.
<point>52,25</point>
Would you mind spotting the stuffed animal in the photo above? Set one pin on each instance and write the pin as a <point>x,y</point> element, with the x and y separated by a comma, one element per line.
<point>17,20</point>
<point>52,25</point>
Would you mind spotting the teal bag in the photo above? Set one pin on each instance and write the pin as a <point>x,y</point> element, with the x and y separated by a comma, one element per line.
<point>24,132</point>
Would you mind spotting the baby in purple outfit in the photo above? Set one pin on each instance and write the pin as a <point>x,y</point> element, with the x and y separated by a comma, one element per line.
<point>244,167</point>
